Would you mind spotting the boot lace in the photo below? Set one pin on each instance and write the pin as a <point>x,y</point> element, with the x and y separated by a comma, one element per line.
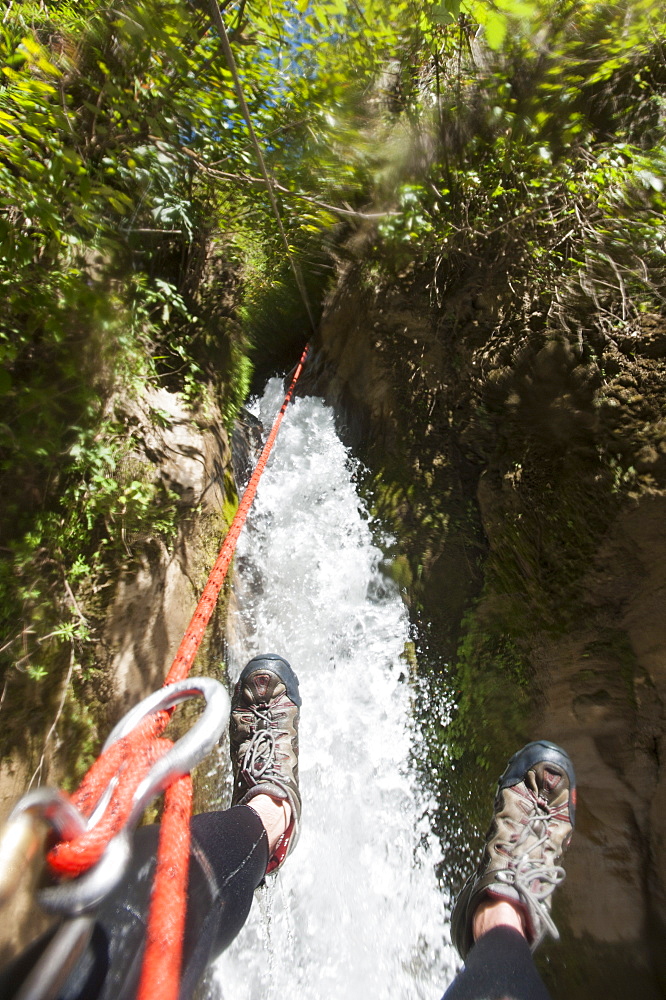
<point>533,878</point>
<point>260,756</point>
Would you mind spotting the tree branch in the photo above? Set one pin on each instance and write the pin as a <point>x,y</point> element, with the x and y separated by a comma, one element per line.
<point>249,179</point>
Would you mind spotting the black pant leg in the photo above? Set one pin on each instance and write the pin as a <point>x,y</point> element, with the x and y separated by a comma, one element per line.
<point>233,847</point>
<point>228,861</point>
<point>499,966</point>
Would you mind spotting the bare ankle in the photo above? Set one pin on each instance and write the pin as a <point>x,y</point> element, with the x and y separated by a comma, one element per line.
<point>493,913</point>
<point>275,814</point>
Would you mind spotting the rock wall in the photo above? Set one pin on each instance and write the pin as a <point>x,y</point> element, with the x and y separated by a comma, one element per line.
<point>606,686</point>
<point>525,477</point>
<point>153,603</point>
<point>148,609</point>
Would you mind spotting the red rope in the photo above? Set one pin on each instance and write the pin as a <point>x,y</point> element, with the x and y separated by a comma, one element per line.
<point>130,759</point>
<point>194,634</point>
<point>160,974</point>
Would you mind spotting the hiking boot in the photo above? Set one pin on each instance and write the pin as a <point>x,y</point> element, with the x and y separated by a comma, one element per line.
<point>263,732</point>
<point>531,828</point>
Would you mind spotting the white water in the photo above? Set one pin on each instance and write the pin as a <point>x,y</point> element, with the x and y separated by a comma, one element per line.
<point>356,912</point>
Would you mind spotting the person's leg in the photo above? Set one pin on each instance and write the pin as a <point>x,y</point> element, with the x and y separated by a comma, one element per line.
<point>499,966</point>
<point>229,855</point>
<point>503,911</point>
<point>231,851</point>
<point>263,734</point>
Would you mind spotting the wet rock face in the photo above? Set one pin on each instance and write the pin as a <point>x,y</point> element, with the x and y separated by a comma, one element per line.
<point>601,687</point>
<point>153,602</point>
<point>146,610</point>
<point>527,481</point>
<point>247,441</point>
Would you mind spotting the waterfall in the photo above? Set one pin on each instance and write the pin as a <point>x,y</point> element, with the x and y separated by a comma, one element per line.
<point>356,912</point>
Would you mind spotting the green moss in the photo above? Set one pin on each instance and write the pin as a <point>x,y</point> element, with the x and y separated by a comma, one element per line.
<point>230,503</point>
<point>81,726</point>
<point>410,658</point>
<point>401,573</point>
<point>237,386</point>
<point>491,679</point>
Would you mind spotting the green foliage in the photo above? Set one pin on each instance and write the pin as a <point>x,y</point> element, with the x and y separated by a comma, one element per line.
<point>550,161</point>
<point>239,387</point>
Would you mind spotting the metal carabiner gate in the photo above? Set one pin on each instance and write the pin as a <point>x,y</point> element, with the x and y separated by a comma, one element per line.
<point>50,808</point>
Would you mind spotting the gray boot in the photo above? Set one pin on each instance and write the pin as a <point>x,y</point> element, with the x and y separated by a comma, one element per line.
<point>263,732</point>
<point>531,828</point>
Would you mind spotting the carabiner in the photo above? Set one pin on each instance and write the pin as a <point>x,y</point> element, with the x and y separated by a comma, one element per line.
<point>25,832</point>
<point>84,893</point>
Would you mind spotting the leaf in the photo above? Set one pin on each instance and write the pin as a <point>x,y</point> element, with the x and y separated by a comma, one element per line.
<point>495,29</point>
<point>445,12</point>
